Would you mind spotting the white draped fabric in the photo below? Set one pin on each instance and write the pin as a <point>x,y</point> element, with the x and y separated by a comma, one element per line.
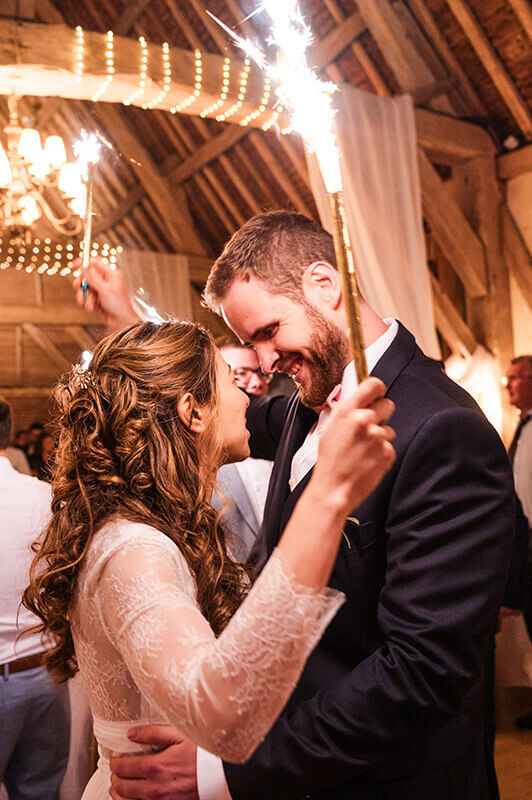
<point>377,140</point>
<point>164,278</point>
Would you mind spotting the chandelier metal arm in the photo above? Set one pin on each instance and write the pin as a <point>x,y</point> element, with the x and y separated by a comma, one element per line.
<point>59,223</point>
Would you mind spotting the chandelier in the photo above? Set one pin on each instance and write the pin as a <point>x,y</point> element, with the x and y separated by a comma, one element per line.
<point>29,173</point>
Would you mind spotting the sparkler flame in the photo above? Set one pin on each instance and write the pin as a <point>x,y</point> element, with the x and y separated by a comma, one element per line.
<point>87,150</point>
<point>299,87</point>
<point>302,91</point>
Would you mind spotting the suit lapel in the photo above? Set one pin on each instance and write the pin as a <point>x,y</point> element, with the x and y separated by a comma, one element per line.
<point>280,501</point>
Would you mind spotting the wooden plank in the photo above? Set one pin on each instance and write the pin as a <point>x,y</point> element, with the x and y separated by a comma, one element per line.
<point>433,32</point>
<point>199,268</point>
<point>330,47</point>
<point>517,255</point>
<point>511,165</point>
<point>493,65</point>
<point>19,353</point>
<point>207,152</point>
<point>47,315</point>
<point>12,392</point>
<point>452,327</point>
<point>81,336</point>
<point>286,185</point>
<point>29,49</point>
<point>177,221</point>
<point>452,231</point>
<point>130,14</point>
<point>43,341</point>
<point>451,139</point>
<point>408,66</point>
<point>523,11</point>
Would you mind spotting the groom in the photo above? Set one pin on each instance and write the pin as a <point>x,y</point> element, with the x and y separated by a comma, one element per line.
<point>390,704</point>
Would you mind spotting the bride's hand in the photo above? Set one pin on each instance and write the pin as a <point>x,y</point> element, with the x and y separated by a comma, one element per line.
<point>355,448</point>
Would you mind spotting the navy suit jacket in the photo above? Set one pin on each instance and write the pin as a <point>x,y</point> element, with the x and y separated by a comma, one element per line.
<point>393,693</point>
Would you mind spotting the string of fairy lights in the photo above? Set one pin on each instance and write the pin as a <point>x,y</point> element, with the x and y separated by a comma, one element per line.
<point>44,256</point>
<point>216,109</point>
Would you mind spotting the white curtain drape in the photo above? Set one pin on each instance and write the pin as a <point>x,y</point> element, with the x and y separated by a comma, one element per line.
<point>377,140</point>
<point>164,277</point>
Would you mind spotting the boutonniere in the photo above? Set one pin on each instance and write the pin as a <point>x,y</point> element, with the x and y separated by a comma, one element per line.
<point>355,521</point>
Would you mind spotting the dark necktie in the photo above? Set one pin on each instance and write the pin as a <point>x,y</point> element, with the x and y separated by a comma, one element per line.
<point>517,434</point>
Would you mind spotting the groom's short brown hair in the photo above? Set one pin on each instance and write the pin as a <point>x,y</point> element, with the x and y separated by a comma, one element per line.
<point>275,248</point>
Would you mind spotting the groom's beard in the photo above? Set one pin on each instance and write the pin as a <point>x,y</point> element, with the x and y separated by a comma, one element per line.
<point>330,355</point>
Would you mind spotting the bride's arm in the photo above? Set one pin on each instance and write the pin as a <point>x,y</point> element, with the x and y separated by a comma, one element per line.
<point>225,693</point>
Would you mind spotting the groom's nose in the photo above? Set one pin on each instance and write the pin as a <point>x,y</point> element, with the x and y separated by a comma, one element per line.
<point>268,357</point>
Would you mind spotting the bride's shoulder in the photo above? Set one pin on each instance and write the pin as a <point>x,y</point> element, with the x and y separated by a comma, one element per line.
<point>121,536</point>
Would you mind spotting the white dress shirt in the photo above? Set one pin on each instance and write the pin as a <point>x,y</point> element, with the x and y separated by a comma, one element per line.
<point>209,768</point>
<point>522,468</point>
<point>24,513</point>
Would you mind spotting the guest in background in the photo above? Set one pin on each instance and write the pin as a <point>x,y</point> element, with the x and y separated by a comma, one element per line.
<point>34,718</point>
<point>40,460</point>
<point>244,484</point>
<point>21,439</point>
<point>519,387</point>
<point>35,432</point>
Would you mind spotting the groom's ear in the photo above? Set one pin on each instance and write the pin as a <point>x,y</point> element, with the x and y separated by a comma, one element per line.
<point>194,417</point>
<point>322,285</point>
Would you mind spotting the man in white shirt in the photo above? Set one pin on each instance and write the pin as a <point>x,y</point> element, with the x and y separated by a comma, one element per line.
<point>34,717</point>
<point>245,483</point>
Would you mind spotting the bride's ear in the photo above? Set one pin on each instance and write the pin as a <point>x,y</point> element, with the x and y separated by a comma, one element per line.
<point>192,415</point>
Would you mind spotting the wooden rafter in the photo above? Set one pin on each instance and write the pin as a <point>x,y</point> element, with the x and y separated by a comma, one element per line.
<point>439,42</point>
<point>452,231</point>
<point>493,65</point>
<point>511,165</point>
<point>449,322</point>
<point>47,315</point>
<point>81,336</point>
<point>523,12</point>
<point>130,14</point>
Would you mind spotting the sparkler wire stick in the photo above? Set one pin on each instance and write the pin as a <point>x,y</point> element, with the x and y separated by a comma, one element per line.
<point>346,267</point>
<point>87,234</point>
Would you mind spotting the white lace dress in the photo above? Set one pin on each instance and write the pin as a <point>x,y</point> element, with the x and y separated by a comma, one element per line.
<point>147,654</point>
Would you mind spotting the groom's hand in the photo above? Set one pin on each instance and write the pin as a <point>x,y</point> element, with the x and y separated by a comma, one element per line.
<point>167,775</point>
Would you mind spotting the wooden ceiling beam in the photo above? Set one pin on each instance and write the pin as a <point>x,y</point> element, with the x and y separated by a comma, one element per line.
<point>523,11</point>
<point>451,325</point>
<point>407,64</point>
<point>130,14</point>
<point>81,336</point>
<point>451,140</point>
<point>329,48</point>
<point>451,230</point>
<point>433,32</point>
<point>17,392</point>
<point>47,315</point>
<point>43,341</point>
<point>511,165</point>
<point>177,222</point>
<point>493,65</point>
<point>286,185</point>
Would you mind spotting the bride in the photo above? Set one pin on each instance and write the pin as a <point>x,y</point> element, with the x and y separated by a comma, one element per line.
<point>133,581</point>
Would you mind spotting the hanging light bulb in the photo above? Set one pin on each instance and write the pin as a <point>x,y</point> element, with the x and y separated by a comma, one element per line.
<point>5,170</point>
<point>29,146</point>
<point>30,210</point>
<point>55,151</point>
<point>79,203</point>
<point>70,182</point>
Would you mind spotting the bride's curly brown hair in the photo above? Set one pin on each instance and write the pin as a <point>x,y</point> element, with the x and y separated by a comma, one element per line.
<point>123,451</point>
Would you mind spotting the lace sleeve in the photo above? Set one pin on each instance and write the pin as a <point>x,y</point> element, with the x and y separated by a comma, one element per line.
<point>222,693</point>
